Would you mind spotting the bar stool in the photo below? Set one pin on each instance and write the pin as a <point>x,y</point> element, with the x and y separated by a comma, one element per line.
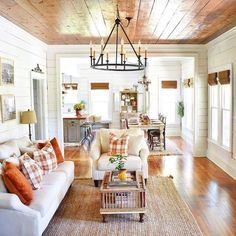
<point>88,134</point>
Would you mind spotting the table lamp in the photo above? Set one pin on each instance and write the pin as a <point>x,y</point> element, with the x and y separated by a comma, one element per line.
<point>28,117</point>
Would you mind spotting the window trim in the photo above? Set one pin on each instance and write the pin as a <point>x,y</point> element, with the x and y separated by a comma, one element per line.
<point>219,141</point>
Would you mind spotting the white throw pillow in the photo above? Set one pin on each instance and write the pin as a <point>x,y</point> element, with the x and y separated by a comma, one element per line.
<point>135,144</point>
<point>30,150</point>
<point>8,149</point>
<point>13,159</point>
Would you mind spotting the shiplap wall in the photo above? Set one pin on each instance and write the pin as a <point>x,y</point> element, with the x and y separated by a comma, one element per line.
<point>187,73</point>
<point>26,51</point>
<point>221,52</point>
<point>200,89</point>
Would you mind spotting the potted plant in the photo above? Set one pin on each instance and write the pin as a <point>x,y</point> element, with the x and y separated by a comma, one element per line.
<point>119,161</point>
<point>180,111</point>
<point>79,107</point>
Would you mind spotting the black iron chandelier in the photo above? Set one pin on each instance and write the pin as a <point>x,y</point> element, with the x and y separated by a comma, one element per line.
<point>121,63</point>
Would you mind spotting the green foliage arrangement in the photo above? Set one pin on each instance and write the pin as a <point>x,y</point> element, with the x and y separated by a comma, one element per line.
<point>80,105</point>
<point>180,109</point>
<point>118,160</point>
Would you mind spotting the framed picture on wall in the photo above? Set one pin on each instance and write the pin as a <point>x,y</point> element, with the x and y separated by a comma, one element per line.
<point>7,71</point>
<point>8,107</point>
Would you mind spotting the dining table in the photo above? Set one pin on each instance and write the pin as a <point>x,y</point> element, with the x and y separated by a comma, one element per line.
<point>152,124</point>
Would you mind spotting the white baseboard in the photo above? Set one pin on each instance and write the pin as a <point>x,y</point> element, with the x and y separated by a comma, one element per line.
<point>222,158</point>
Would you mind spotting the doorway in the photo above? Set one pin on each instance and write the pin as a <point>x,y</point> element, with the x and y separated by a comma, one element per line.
<point>38,104</point>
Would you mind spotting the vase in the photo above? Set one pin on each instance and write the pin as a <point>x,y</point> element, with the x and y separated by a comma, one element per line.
<point>78,114</point>
<point>122,175</point>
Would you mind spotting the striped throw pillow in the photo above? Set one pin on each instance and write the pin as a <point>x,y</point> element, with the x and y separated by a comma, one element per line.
<point>46,158</point>
<point>31,170</point>
<point>118,146</point>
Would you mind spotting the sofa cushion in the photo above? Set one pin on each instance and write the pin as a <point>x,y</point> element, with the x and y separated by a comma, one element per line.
<point>16,183</point>
<point>118,146</point>
<point>67,167</point>
<point>49,192</point>
<point>8,149</point>
<point>132,163</point>
<point>104,135</point>
<point>23,142</point>
<point>135,144</point>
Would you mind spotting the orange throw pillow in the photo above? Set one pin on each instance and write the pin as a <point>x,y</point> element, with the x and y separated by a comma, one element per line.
<point>17,183</point>
<point>57,150</point>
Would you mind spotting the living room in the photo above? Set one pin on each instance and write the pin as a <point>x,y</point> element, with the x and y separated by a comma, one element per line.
<point>204,172</point>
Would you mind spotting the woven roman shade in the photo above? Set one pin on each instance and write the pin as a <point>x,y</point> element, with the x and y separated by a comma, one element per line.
<point>99,85</point>
<point>224,77</point>
<point>212,79</point>
<point>169,84</point>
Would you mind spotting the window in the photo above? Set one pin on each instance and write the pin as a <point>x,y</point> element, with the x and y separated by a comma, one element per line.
<point>220,113</point>
<point>226,114</point>
<point>168,99</point>
<point>100,101</point>
<point>214,109</point>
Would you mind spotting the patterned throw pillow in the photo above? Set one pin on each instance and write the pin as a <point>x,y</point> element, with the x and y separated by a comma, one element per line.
<point>31,170</point>
<point>46,158</point>
<point>118,146</point>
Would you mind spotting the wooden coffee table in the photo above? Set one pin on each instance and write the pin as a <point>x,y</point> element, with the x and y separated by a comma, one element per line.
<point>122,197</point>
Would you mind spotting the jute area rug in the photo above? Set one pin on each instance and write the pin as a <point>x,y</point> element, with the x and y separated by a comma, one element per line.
<point>171,149</point>
<point>167,213</point>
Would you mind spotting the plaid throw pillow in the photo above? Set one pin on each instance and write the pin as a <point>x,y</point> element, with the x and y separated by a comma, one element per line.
<point>31,170</point>
<point>118,146</point>
<point>46,158</point>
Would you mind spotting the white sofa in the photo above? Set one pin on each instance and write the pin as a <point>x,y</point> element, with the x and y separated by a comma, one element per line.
<point>21,220</point>
<point>136,160</point>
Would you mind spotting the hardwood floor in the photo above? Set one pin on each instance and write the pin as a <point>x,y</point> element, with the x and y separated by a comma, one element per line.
<point>208,191</point>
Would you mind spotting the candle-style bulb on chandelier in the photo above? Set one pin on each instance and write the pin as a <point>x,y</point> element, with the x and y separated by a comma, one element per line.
<point>120,63</point>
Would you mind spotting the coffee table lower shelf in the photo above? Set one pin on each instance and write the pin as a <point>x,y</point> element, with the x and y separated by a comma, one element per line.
<point>139,211</point>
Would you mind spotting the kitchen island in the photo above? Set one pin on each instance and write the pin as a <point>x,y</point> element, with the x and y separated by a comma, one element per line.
<point>74,132</point>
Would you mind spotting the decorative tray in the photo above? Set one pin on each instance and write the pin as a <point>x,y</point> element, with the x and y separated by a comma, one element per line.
<point>131,179</point>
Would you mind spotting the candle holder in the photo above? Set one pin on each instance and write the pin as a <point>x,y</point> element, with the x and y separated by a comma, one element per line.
<point>102,57</point>
<point>124,63</point>
<point>94,61</point>
<point>91,60</point>
<point>145,61</point>
<point>121,58</point>
<point>107,61</point>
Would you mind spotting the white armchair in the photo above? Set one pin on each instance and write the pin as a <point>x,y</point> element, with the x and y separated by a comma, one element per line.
<point>137,153</point>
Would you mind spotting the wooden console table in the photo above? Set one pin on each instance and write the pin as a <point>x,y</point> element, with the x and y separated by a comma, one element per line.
<point>122,198</point>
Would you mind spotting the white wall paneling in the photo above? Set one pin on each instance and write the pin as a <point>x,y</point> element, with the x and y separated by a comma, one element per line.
<point>221,52</point>
<point>27,52</point>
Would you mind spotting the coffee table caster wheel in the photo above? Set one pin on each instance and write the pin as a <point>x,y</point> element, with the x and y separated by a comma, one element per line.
<point>141,215</point>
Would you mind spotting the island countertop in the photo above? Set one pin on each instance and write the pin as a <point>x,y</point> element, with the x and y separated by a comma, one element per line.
<point>72,116</point>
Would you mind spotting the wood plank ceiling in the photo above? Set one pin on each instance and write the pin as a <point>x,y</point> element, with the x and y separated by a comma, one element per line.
<point>154,21</point>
